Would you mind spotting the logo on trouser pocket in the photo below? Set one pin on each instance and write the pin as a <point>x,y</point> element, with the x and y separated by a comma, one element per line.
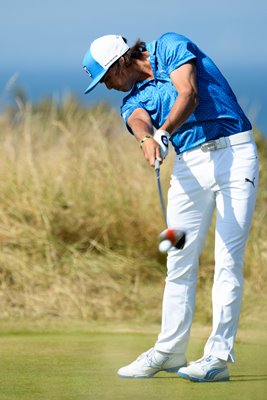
<point>252,182</point>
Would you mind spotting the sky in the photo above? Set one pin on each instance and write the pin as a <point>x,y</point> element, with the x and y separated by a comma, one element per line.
<point>42,43</point>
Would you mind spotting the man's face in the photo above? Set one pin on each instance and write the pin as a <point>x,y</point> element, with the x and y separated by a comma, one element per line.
<point>122,81</point>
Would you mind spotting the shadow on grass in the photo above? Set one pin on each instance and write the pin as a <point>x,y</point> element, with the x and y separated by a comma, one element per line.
<point>233,378</point>
<point>165,377</point>
<point>248,378</point>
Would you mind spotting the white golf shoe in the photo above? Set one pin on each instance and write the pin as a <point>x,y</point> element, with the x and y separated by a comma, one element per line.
<point>207,369</point>
<point>151,362</point>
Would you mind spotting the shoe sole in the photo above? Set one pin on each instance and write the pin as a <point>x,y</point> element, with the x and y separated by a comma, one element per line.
<point>194,379</point>
<point>170,370</point>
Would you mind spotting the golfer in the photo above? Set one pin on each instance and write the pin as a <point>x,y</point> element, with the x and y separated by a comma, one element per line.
<point>176,90</point>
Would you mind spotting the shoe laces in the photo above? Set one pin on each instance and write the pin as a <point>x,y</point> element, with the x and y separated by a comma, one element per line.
<point>147,353</point>
<point>199,361</point>
<point>204,360</point>
<point>207,362</point>
<point>151,360</point>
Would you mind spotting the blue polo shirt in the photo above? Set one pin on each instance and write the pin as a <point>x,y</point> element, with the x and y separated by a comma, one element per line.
<point>218,113</point>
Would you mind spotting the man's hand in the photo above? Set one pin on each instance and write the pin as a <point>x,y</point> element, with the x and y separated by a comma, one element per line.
<point>154,146</point>
<point>151,150</point>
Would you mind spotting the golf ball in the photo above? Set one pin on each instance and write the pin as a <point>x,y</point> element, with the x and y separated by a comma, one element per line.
<point>165,246</point>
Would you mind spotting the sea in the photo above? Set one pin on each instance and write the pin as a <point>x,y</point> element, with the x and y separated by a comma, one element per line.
<point>249,86</point>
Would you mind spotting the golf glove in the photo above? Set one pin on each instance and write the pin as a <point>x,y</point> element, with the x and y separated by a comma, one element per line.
<point>162,138</point>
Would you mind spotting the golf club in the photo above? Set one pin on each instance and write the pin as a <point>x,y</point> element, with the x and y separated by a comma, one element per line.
<point>170,236</point>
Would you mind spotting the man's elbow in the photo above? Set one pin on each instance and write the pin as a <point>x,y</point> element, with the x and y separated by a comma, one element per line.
<point>194,99</point>
<point>191,98</point>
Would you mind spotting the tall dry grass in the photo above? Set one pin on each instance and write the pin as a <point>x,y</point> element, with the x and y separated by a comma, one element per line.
<point>80,217</point>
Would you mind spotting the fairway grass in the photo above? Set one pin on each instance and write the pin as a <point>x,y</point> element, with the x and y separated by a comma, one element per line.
<point>77,362</point>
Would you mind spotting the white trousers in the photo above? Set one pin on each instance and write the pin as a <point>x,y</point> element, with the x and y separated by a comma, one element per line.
<point>224,180</point>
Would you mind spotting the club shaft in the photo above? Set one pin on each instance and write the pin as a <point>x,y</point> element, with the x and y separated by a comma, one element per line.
<point>162,203</point>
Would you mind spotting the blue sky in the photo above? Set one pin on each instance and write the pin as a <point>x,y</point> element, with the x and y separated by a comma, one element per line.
<point>39,38</point>
<point>55,33</point>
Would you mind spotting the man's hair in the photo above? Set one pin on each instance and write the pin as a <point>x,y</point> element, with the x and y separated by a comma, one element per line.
<point>136,52</point>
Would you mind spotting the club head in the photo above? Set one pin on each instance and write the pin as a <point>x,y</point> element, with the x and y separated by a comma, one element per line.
<point>181,241</point>
<point>176,236</point>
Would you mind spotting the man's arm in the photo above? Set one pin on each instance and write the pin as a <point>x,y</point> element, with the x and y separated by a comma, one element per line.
<point>141,125</point>
<point>185,81</point>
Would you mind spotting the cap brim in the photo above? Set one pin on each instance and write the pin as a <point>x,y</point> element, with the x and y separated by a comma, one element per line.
<point>95,82</point>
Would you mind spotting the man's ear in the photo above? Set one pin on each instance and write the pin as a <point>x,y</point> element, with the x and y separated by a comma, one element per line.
<point>122,62</point>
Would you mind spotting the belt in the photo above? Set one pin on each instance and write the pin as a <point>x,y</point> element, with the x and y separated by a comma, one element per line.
<point>226,141</point>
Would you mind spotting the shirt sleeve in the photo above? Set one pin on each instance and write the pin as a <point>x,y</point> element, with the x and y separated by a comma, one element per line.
<point>175,50</point>
<point>130,103</point>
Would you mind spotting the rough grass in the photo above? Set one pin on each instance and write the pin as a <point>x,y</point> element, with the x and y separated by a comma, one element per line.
<point>80,218</point>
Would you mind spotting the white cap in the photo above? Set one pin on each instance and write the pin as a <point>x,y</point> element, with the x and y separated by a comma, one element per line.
<point>103,52</point>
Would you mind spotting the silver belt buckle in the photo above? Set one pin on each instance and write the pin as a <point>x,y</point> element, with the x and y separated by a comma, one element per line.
<point>216,144</point>
<point>208,146</point>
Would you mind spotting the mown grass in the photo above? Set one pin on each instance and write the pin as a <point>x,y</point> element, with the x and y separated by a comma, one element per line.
<point>80,218</point>
<point>79,362</point>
